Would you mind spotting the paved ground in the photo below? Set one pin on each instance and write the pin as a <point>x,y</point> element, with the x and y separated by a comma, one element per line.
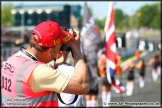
<point>150,93</point>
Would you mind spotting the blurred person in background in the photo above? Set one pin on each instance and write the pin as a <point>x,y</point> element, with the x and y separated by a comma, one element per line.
<point>92,67</point>
<point>129,69</point>
<point>118,63</point>
<point>156,66</point>
<point>91,96</point>
<point>106,86</point>
<point>159,66</point>
<point>141,65</point>
<point>137,54</point>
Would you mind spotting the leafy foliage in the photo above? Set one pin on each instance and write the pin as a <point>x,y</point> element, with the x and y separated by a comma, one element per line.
<point>150,16</point>
<point>6,17</point>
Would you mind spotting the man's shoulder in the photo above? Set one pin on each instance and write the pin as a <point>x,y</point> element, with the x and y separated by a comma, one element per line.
<point>44,68</point>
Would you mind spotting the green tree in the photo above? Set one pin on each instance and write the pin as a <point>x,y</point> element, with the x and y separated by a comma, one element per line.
<point>120,20</point>
<point>7,18</point>
<point>150,16</point>
<point>156,21</point>
<point>132,21</point>
<point>119,16</point>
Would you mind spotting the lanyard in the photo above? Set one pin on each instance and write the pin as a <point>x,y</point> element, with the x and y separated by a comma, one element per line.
<point>22,49</point>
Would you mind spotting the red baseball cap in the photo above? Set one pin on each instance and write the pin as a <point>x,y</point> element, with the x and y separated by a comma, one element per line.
<point>49,34</point>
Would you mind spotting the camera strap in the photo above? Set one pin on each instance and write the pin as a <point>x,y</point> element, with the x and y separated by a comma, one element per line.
<point>59,97</point>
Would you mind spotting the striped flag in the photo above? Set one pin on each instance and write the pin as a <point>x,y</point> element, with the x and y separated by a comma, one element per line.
<point>111,50</point>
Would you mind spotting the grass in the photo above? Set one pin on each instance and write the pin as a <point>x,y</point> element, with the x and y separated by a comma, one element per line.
<point>126,58</point>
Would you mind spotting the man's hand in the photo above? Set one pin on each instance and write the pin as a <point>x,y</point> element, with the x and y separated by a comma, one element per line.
<point>61,58</point>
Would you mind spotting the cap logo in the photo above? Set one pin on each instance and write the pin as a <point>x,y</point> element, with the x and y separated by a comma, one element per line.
<point>67,38</point>
<point>56,41</point>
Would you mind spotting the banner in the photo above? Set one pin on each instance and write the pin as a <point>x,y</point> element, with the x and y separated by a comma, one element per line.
<point>91,42</point>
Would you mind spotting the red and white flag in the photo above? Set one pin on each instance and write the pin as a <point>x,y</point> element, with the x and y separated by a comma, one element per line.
<point>111,50</point>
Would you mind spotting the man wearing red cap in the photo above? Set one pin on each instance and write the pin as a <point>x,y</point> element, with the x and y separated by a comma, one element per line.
<point>27,78</point>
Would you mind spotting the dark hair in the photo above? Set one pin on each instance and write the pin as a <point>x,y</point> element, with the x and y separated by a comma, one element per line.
<point>34,45</point>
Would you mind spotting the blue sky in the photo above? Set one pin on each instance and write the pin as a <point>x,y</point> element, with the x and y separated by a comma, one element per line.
<point>100,8</point>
